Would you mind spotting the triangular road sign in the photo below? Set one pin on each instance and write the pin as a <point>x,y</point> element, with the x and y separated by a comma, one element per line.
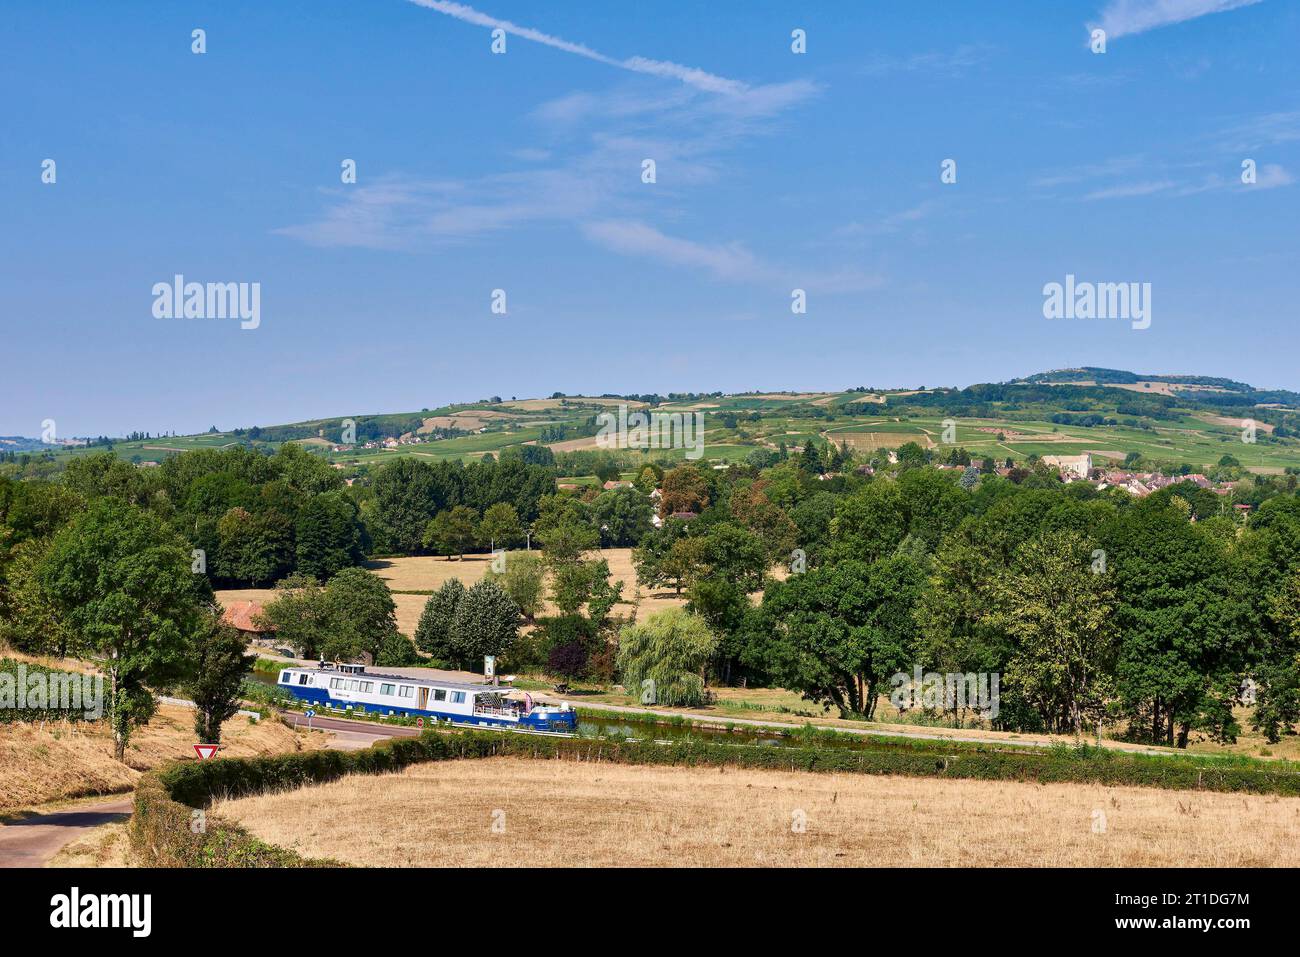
<point>205,751</point>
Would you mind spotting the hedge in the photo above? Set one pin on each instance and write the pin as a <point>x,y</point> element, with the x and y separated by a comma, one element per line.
<point>162,836</point>
<point>166,799</point>
<point>1084,765</point>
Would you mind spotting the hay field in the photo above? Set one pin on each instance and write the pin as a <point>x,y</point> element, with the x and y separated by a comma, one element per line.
<point>427,573</point>
<point>565,813</point>
<point>872,441</point>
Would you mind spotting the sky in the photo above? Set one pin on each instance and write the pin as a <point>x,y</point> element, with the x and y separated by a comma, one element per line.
<point>524,171</point>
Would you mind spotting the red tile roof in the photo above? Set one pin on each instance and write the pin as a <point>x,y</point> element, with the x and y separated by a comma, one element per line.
<point>241,615</point>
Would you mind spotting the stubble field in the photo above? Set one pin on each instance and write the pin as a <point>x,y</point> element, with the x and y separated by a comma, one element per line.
<point>481,813</point>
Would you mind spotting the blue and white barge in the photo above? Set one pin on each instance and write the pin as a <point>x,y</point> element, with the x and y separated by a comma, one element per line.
<point>347,687</point>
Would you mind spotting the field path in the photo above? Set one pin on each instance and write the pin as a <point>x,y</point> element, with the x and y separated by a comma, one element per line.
<point>32,841</point>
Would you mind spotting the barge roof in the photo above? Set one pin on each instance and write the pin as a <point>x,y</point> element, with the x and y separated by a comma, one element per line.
<point>432,682</point>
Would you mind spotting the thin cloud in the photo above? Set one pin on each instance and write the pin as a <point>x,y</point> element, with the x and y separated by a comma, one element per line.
<point>594,187</point>
<point>732,262</point>
<point>945,64</point>
<point>1123,18</point>
<point>1271,175</point>
<point>691,76</point>
<point>1132,189</point>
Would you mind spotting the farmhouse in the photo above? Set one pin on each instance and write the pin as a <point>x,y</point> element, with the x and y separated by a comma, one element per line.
<point>242,616</point>
<point>1071,466</point>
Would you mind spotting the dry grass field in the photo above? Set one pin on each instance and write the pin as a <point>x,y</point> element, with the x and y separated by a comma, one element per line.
<point>873,441</point>
<point>574,445</point>
<point>54,761</point>
<point>486,813</point>
<point>426,573</point>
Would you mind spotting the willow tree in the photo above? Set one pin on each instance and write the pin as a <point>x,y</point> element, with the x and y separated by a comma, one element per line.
<point>663,658</point>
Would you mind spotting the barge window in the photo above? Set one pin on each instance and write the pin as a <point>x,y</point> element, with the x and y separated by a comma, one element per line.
<point>303,679</point>
<point>458,697</point>
<point>388,689</point>
<point>336,682</point>
<point>405,691</point>
<point>286,677</point>
<point>352,685</point>
<point>367,686</point>
<point>439,694</point>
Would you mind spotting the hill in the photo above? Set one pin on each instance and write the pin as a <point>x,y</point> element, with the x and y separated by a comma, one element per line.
<point>1168,420</point>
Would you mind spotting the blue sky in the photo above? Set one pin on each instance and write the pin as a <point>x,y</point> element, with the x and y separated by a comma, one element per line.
<point>522,172</point>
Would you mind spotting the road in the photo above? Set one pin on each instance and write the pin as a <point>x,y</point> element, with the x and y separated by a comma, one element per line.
<point>31,841</point>
<point>350,735</point>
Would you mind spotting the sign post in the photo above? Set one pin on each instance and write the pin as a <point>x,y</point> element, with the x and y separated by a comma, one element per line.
<point>310,713</point>
<point>490,668</point>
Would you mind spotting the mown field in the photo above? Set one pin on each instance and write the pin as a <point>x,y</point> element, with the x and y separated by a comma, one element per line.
<point>413,579</point>
<point>566,814</point>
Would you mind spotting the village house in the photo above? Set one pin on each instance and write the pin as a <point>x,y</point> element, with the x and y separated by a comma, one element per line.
<point>1071,466</point>
<point>242,616</point>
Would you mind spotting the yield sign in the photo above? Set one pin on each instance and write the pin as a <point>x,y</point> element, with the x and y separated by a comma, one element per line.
<point>205,751</point>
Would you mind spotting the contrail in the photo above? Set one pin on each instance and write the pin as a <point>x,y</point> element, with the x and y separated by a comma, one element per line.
<point>691,76</point>
<point>1124,17</point>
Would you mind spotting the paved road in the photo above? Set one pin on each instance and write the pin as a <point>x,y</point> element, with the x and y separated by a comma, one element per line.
<point>32,841</point>
<point>350,735</point>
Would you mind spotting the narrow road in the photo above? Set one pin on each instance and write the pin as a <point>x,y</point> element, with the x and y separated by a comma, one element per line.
<point>350,735</point>
<point>31,841</point>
